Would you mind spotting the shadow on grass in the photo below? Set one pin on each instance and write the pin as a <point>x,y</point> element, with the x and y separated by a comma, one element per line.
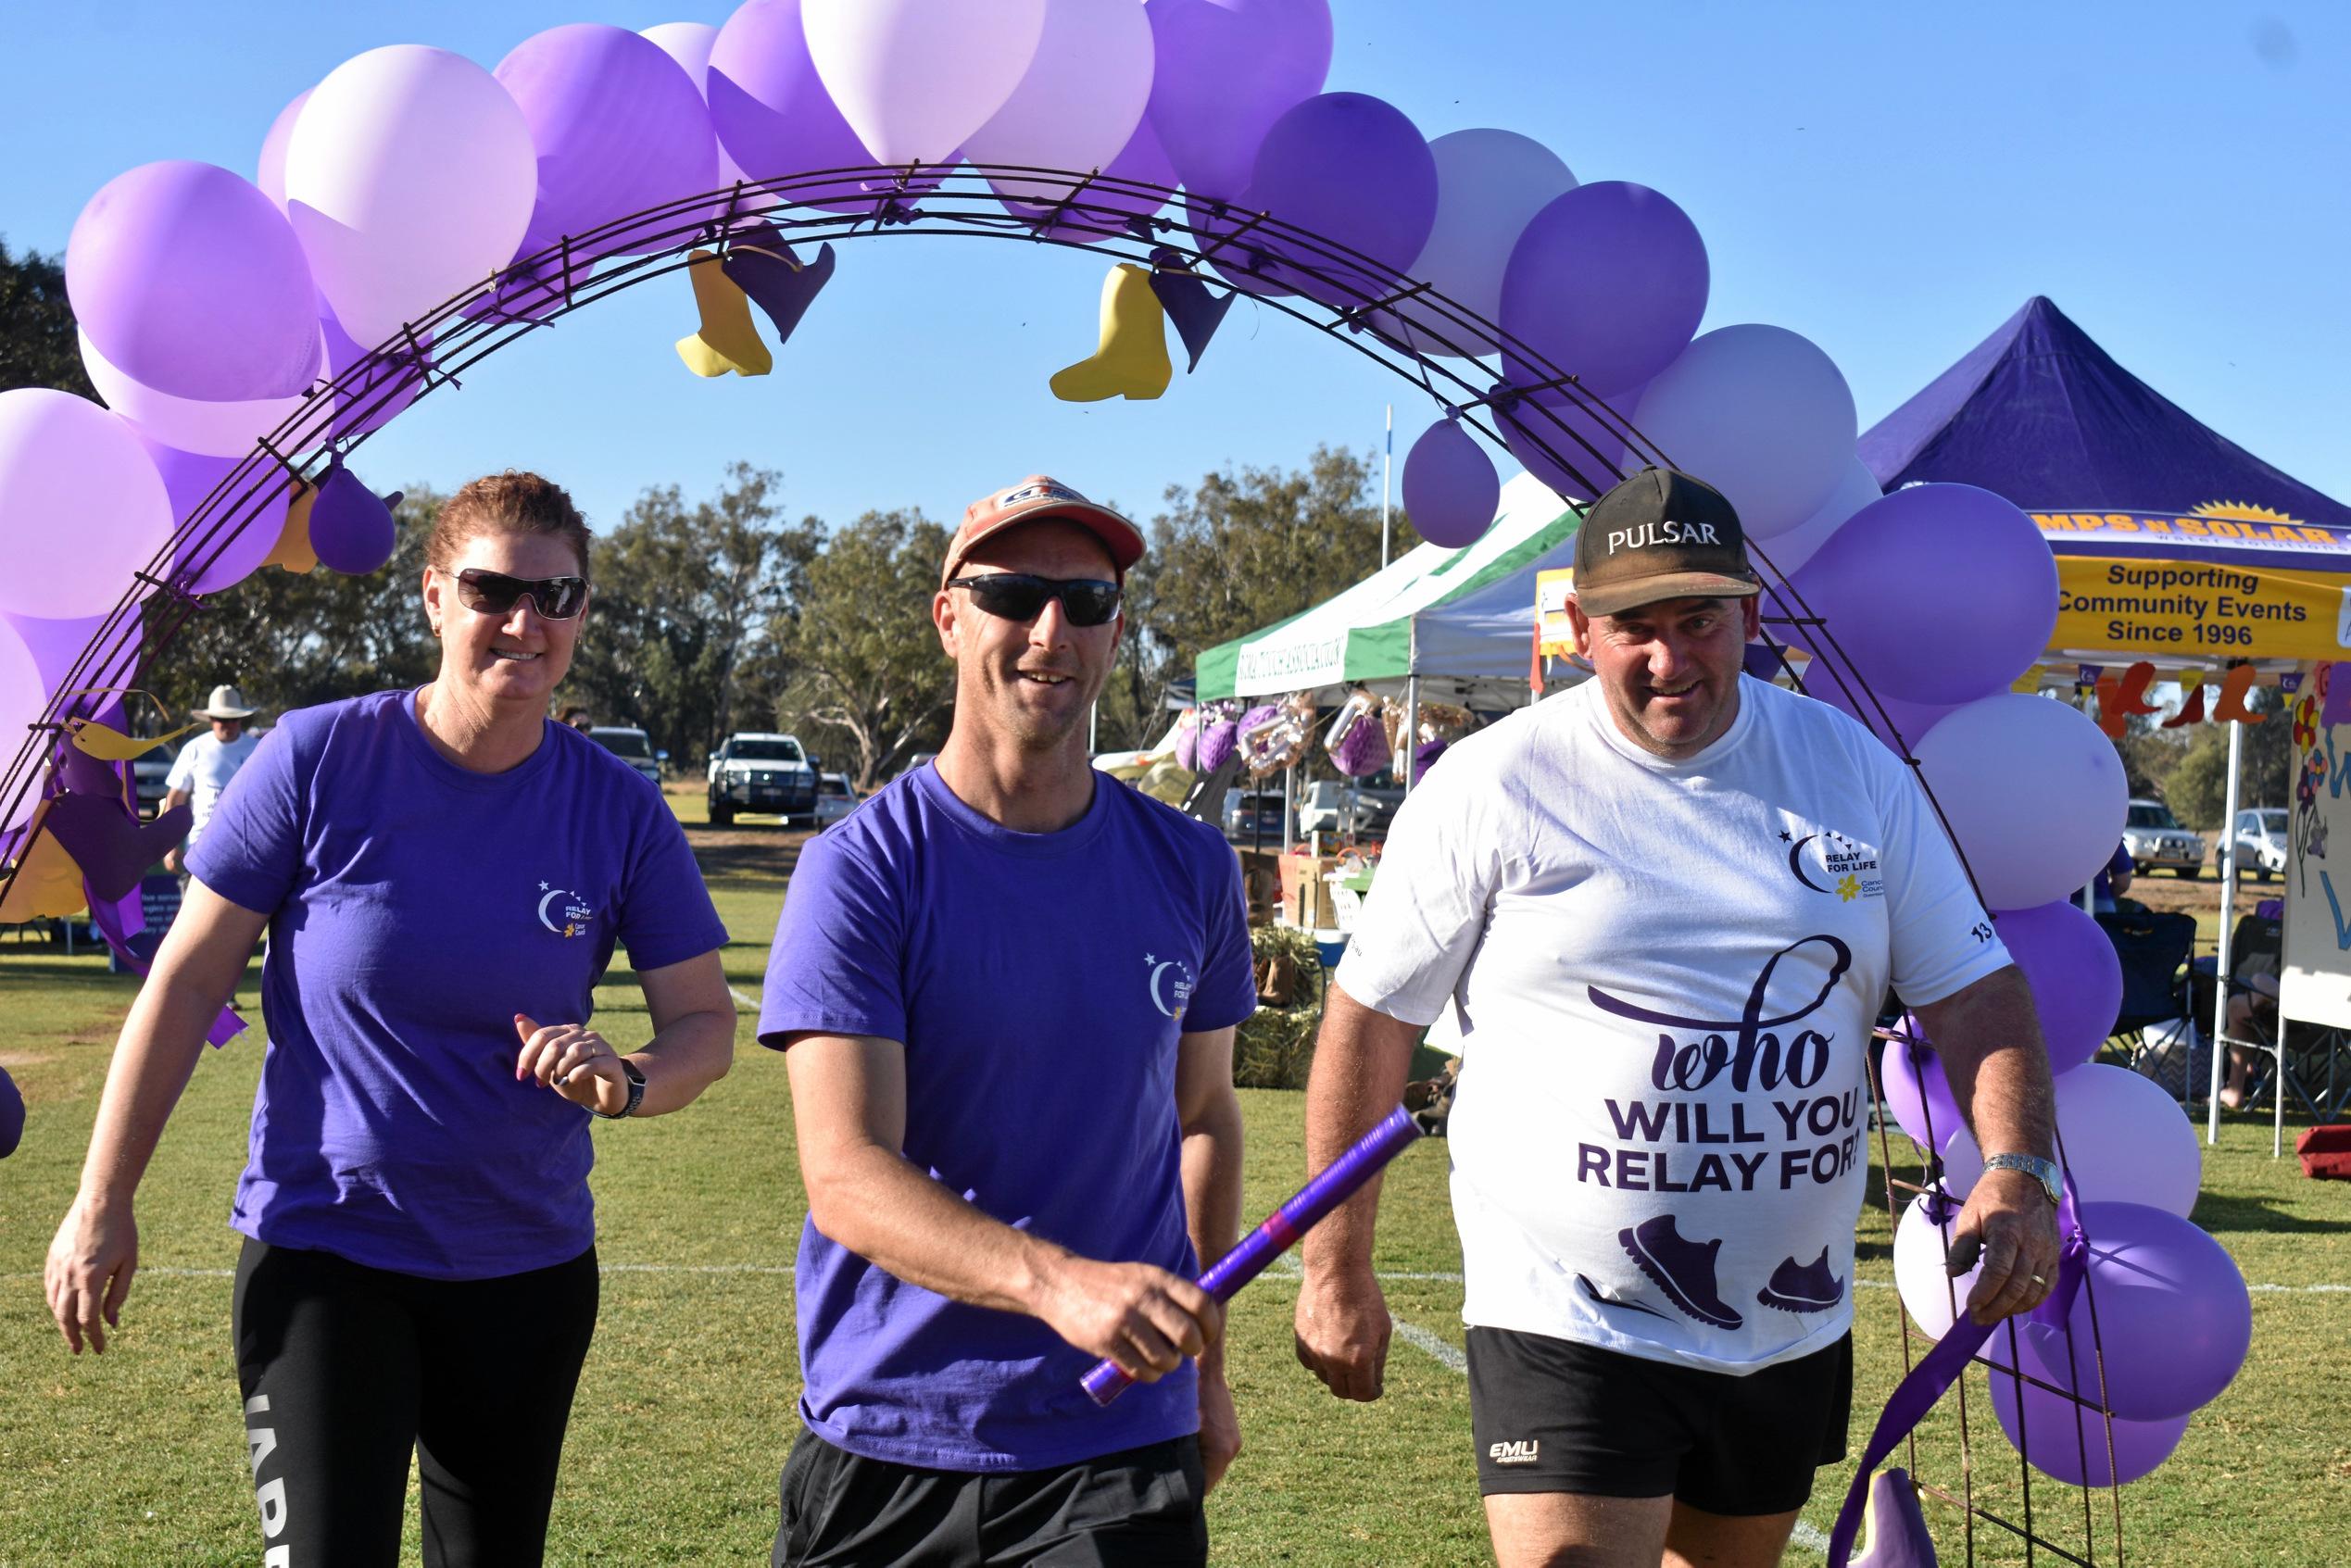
<point>2225,1214</point>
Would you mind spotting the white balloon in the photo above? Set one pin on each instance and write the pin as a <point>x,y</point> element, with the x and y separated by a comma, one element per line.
<point>409,176</point>
<point>217,430</point>
<point>81,506</point>
<point>1078,103</point>
<point>915,78</point>
<point>2126,1141</point>
<point>1790,547</point>
<point>1489,185</point>
<point>1920,1256</point>
<point>689,45</point>
<point>1761,414</point>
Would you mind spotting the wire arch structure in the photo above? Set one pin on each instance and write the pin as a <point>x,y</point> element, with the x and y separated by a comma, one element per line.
<point>1404,324</point>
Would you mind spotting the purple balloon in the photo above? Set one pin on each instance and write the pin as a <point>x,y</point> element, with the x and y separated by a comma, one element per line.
<point>228,557</point>
<point>1225,71</point>
<point>1232,248</point>
<point>58,646</point>
<point>1917,1092</point>
<point>1978,593</point>
<point>1354,170</point>
<point>376,392</point>
<point>2066,1438</point>
<point>268,171</point>
<point>1188,743</point>
<point>190,281</point>
<point>1451,490</point>
<point>2124,1138</point>
<point>2076,978</point>
<point>11,1115</point>
<point>1897,725</point>
<point>1587,453</point>
<point>617,126</point>
<point>1108,207</point>
<point>1984,759</point>
<point>772,112</point>
<point>352,530</point>
<point>1608,282</point>
<point>1218,736</point>
<point>2173,1319</point>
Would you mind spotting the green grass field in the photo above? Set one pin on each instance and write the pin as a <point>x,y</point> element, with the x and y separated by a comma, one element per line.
<point>686,1406</point>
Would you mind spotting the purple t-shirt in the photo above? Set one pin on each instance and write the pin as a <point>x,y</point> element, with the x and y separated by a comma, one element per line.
<point>415,908</point>
<point>1039,982</point>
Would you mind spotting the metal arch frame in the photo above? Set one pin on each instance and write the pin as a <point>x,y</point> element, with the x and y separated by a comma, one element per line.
<point>1350,297</point>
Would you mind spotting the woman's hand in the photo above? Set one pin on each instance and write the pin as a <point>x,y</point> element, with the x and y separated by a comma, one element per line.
<point>573,1060</point>
<point>88,1278</point>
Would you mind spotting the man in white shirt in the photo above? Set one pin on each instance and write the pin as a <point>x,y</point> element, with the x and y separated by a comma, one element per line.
<point>1666,906</point>
<point>205,765</point>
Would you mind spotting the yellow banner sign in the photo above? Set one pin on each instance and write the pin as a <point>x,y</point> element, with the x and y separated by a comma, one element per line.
<point>2159,607</point>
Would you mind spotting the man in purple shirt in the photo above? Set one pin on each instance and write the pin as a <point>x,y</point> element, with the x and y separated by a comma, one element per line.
<point>1008,991</point>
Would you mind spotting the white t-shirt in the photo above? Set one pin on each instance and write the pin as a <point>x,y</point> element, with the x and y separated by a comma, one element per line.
<point>204,768</point>
<point>1666,975</point>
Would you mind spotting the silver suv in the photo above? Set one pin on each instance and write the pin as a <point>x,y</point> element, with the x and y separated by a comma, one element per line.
<point>2261,841</point>
<point>760,772</point>
<point>2155,837</point>
<point>632,747</point>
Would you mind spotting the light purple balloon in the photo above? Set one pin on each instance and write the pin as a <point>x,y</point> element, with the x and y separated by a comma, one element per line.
<point>57,647</point>
<point>1489,185</point>
<point>268,172</point>
<point>1939,593</point>
<point>1225,71</point>
<point>190,281</point>
<point>1109,208</point>
<point>1608,282</point>
<point>2075,976</point>
<point>352,531</point>
<point>1917,1094</point>
<point>1785,553</point>
<point>1354,171</point>
<point>1451,490</point>
<point>2173,1317</point>
<point>2066,1438</point>
<point>772,113</point>
<point>1985,759</point>
<point>1760,413</point>
<point>11,1115</point>
<point>2124,1138</point>
<point>1590,456</point>
<point>617,126</point>
<point>377,393</point>
<point>190,479</point>
<point>1188,742</point>
<point>1897,725</point>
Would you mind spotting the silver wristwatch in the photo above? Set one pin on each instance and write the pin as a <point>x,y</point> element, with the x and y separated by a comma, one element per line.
<point>2045,1172</point>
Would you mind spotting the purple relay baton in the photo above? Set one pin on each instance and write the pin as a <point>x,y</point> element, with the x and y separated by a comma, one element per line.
<point>1338,1182</point>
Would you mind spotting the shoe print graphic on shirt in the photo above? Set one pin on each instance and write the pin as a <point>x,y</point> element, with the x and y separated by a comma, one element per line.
<point>1684,1270</point>
<point>1592,1294</point>
<point>1809,1287</point>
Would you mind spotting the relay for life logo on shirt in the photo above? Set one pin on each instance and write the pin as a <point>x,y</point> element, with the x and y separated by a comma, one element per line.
<point>1827,861</point>
<point>561,904</point>
<point>1170,984</point>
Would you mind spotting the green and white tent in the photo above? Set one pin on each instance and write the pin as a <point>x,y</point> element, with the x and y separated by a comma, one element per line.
<point>1460,620</point>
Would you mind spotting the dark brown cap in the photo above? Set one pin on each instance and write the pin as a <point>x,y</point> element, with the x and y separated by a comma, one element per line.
<point>1660,534</point>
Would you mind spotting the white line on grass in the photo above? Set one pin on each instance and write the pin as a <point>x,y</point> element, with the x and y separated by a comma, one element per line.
<point>740,999</point>
<point>1420,1338</point>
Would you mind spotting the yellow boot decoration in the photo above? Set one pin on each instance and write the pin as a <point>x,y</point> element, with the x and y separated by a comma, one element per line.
<point>293,553</point>
<point>1132,361</point>
<point>48,883</point>
<point>727,340</point>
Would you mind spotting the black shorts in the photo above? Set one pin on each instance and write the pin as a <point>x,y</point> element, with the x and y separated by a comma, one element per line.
<point>1138,1508</point>
<point>1550,1415</point>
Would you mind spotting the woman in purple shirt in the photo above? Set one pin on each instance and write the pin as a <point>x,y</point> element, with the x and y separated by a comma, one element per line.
<point>443,874</point>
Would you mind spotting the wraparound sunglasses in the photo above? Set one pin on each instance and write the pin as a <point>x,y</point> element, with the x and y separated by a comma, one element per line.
<point>1019,595</point>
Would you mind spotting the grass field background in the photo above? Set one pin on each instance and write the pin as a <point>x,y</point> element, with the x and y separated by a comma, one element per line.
<point>687,1404</point>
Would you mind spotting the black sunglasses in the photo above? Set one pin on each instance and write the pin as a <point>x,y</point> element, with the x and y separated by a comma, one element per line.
<point>493,592</point>
<point>1018,595</point>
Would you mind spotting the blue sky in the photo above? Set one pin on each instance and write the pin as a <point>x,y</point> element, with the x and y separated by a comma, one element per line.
<point>1892,180</point>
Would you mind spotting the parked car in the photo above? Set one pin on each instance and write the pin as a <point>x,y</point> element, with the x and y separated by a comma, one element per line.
<point>1253,816</point>
<point>835,798</point>
<point>1347,808</point>
<point>765,772</point>
<point>633,746</point>
<point>2261,841</point>
<point>2155,839</point>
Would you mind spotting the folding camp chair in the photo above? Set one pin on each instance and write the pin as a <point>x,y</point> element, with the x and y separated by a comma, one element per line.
<point>2153,1030</point>
<point>2298,1055</point>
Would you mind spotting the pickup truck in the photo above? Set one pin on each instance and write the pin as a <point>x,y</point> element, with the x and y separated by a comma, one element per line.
<point>762,773</point>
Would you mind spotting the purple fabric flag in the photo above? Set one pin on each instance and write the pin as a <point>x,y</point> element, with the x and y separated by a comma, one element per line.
<point>120,920</point>
<point>1898,1535</point>
<point>763,267</point>
<point>110,845</point>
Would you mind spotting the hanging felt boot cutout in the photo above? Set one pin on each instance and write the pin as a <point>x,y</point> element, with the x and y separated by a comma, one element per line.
<point>1132,361</point>
<point>726,340</point>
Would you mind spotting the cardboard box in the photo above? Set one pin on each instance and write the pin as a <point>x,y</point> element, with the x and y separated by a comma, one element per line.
<point>1261,883</point>
<point>1305,896</point>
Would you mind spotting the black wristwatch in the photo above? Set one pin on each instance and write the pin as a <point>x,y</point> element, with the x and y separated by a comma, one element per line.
<point>636,1092</point>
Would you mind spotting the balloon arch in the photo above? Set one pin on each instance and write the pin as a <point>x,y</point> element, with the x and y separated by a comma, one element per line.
<point>225,322</point>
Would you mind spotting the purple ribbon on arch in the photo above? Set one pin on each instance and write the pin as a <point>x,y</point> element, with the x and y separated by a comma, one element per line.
<point>1940,1368</point>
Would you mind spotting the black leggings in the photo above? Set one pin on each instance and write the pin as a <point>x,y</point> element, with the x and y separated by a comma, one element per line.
<point>345,1369</point>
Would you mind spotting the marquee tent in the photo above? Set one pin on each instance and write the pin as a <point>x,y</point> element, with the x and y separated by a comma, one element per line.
<point>1457,623</point>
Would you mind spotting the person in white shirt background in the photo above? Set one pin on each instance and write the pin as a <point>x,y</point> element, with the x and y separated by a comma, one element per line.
<point>1665,908</point>
<point>205,765</point>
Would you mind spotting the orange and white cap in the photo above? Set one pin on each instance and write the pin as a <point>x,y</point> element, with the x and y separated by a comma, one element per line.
<point>1038,496</point>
